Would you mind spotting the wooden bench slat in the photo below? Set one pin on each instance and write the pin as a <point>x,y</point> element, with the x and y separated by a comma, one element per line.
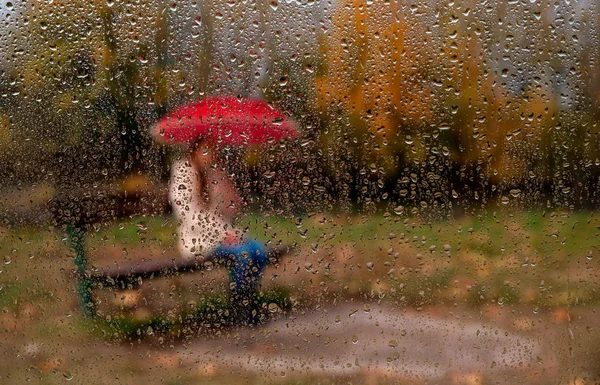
<point>130,273</point>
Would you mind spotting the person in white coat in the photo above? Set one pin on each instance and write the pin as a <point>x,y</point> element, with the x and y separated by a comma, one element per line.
<point>205,203</point>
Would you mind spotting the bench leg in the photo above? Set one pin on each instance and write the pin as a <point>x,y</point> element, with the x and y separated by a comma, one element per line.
<point>84,285</point>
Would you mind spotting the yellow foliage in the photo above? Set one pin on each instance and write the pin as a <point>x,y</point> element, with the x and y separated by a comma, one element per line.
<point>387,82</point>
<point>368,72</point>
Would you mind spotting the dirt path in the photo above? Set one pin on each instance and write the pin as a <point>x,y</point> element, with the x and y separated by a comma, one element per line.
<point>333,344</point>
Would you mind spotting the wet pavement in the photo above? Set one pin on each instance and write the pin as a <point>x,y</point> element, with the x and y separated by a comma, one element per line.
<point>348,340</point>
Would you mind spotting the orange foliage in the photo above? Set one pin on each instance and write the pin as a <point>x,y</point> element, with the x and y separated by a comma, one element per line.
<point>368,71</point>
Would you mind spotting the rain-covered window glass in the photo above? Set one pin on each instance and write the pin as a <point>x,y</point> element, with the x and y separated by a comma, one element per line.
<point>299,191</point>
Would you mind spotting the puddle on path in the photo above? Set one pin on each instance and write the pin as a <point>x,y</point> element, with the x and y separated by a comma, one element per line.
<point>346,340</point>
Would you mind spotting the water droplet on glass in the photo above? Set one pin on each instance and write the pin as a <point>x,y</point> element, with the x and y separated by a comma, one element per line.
<point>515,193</point>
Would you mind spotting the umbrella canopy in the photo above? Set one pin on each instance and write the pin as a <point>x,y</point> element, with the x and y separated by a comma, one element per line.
<point>226,120</point>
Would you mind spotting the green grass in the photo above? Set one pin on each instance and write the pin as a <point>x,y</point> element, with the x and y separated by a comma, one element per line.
<point>533,257</point>
<point>10,294</point>
<point>542,231</point>
<point>134,231</point>
<point>212,312</point>
<point>553,241</point>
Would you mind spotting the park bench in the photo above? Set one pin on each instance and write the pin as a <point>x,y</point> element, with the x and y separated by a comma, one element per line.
<point>78,209</point>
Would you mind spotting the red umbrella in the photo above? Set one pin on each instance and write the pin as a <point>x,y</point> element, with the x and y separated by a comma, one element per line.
<point>227,120</point>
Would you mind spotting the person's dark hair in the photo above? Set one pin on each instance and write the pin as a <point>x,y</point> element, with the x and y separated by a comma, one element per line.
<point>197,143</point>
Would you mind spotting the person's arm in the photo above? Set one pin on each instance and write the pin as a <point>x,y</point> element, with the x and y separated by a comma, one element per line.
<point>225,199</point>
<point>180,188</point>
<point>182,197</point>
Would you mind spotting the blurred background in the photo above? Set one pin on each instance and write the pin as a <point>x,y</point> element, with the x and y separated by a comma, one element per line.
<point>427,98</point>
<point>449,159</point>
